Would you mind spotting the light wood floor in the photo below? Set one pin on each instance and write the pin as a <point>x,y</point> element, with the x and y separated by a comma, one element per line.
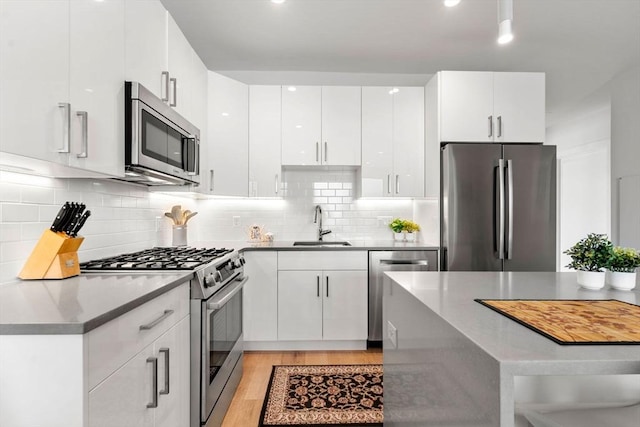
<point>247,401</point>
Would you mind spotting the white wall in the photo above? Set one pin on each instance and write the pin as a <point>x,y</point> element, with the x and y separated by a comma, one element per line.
<point>625,157</point>
<point>583,144</point>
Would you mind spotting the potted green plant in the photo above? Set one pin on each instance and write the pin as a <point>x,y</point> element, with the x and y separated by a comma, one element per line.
<point>590,257</point>
<point>622,264</point>
<point>404,229</point>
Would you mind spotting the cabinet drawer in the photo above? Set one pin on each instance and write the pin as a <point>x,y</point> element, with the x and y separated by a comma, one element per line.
<point>117,341</point>
<point>322,260</point>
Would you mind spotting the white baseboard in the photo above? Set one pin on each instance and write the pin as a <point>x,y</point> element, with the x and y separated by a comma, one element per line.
<point>304,345</point>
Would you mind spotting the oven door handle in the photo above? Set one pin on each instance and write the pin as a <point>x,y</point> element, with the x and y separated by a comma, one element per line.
<point>219,301</point>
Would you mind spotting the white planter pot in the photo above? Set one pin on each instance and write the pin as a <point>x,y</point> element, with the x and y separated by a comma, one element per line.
<point>398,237</point>
<point>409,237</point>
<point>622,281</point>
<point>593,280</point>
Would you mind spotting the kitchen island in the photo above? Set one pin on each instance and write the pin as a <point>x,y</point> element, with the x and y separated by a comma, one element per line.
<point>449,360</point>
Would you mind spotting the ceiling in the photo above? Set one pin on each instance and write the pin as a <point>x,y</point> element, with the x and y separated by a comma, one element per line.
<point>580,44</point>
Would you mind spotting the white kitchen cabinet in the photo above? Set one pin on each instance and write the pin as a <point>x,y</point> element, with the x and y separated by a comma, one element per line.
<point>322,305</point>
<point>392,142</point>
<point>130,397</point>
<point>260,296</point>
<point>74,81</point>
<point>321,125</point>
<point>97,31</point>
<point>265,171</point>
<point>472,106</point>
<point>146,45</point>
<point>322,295</point>
<point>159,56</point>
<point>228,137</point>
<point>491,107</point>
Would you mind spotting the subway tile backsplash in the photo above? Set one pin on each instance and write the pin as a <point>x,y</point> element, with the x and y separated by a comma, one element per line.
<point>127,217</point>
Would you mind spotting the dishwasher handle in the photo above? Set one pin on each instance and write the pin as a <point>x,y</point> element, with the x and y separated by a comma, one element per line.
<point>404,261</point>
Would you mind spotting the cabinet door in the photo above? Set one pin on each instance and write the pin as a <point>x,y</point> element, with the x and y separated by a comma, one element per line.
<point>341,125</point>
<point>377,142</point>
<point>265,172</point>
<point>260,296</point>
<point>344,311</point>
<point>519,107</point>
<point>96,85</point>
<point>172,351</point>
<point>301,119</point>
<point>146,44</point>
<point>122,399</point>
<point>408,142</point>
<point>181,63</point>
<point>299,305</point>
<point>466,106</point>
<point>228,129</point>
<point>34,78</point>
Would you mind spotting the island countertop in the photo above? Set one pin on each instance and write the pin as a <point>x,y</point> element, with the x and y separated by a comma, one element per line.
<point>451,296</point>
<point>466,364</point>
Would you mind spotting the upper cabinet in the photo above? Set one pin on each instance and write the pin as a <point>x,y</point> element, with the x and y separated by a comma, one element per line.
<point>321,125</point>
<point>61,79</point>
<point>491,107</point>
<point>227,152</point>
<point>265,172</point>
<point>159,56</point>
<point>392,142</point>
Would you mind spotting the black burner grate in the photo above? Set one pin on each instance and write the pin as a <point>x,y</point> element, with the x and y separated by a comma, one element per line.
<point>158,258</point>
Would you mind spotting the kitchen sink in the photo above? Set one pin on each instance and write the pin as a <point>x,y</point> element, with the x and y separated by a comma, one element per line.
<point>320,243</point>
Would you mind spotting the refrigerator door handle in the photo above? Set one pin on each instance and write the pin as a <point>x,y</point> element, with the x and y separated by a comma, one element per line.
<point>500,210</point>
<point>510,209</point>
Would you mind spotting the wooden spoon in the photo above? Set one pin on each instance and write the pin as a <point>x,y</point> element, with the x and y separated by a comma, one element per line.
<point>176,213</point>
<point>191,215</point>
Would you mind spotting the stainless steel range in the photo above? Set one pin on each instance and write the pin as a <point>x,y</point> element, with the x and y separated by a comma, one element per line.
<point>216,318</point>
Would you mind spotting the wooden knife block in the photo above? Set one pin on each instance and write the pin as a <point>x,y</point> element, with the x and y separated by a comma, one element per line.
<point>55,256</point>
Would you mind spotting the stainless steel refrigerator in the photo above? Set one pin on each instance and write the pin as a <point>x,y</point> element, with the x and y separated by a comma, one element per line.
<point>498,207</point>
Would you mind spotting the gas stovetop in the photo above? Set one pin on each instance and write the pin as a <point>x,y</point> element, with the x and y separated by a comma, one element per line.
<point>159,258</point>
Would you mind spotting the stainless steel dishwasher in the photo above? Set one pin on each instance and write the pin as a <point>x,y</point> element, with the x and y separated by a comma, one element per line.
<point>397,260</point>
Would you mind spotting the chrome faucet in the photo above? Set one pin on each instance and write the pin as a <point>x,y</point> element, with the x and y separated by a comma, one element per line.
<point>321,232</point>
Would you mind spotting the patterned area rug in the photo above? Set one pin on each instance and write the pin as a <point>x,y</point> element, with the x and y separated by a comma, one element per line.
<point>309,395</point>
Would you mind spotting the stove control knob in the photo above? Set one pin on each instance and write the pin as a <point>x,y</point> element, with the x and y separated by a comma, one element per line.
<point>241,260</point>
<point>238,263</point>
<point>209,280</point>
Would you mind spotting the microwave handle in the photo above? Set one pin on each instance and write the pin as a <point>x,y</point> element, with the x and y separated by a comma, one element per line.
<point>196,165</point>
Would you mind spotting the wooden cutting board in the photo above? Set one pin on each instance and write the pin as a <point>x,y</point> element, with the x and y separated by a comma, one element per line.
<point>575,321</point>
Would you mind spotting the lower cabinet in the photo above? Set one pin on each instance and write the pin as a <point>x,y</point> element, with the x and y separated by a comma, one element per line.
<point>151,389</point>
<point>305,300</point>
<point>322,305</point>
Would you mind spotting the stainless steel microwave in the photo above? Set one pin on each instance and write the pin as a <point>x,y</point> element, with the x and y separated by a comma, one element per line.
<point>161,146</point>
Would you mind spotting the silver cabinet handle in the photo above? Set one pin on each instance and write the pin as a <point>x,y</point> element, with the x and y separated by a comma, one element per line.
<point>150,325</point>
<point>317,286</point>
<point>211,180</point>
<point>490,126</point>
<point>164,83</point>
<point>325,151</point>
<point>404,262</point>
<point>66,127</point>
<point>277,186</point>
<point>175,92</point>
<point>327,286</point>
<point>154,380</point>
<point>84,117</point>
<point>166,370</point>
<point>510,209</point>
<point>317,149</point>
<point>397,184</point>
<point>499,126</point>
<point>500,209</point>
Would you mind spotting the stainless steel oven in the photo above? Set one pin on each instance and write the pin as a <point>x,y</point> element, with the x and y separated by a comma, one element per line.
<point>220,352</point>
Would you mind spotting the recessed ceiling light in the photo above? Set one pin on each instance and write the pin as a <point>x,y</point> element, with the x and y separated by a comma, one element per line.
<point>451,3</point>
<point>291,88</point>
<point>225,114</point>
<point>278,1</point>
